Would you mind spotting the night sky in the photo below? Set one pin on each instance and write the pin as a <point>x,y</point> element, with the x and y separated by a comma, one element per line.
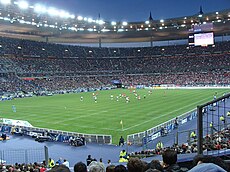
<point>136,10</point>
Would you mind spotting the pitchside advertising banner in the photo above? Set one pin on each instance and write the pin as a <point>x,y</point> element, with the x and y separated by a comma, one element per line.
<point>169,128</point>
<point>15,122</point>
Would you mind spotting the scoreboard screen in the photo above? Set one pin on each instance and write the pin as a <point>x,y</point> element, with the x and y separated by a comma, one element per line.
<point>201,35</point>
<point>203,39</point>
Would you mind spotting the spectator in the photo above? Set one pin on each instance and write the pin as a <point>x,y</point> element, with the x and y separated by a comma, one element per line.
<point>199,159</point>
<point>170,161</point>
<point>66,163</point>
<point>96,167</point>
<point>60,168</point>
<point>51,163</point>
<point>155,165</point>
<point>159,145</point>
<point>135,165</point>
<point>120,168</point>
<point>89,160</point>
<point>110,168</point>
<point>121,141</point>
<point>80,167</point>
<point>207,167</point>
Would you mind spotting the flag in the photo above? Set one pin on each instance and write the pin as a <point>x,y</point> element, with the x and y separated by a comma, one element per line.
<point>121,122</point>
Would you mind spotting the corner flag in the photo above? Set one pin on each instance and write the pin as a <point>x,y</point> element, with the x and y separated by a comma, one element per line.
<point>121,122</point>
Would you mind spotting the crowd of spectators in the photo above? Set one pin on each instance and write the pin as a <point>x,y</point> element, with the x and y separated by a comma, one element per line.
<point>65,67</point>
<point>218,141</point>
<point>169,163</point>
<point>20,47</point>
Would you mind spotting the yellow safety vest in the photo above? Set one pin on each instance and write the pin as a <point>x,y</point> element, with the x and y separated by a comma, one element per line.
<point>123,160</point>
<point>51,163</point>
<point>159,145</point>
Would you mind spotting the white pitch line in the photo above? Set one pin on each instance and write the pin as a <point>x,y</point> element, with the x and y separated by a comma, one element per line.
<point>80,126</point>
<point>160,116</point>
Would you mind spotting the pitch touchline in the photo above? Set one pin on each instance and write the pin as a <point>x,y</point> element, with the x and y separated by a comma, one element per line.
<point>159,116</point>
<point>81,126</point>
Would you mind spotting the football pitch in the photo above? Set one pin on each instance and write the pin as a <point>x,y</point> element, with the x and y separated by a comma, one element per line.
<point>103,116</point>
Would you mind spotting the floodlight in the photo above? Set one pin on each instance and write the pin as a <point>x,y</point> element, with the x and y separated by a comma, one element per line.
<point>5,2</point>
<point>101,22</point>
<point>64,14</point>
<point>113,23</point>
<point>23,5</point>
<point>90,29</point>
<point>52,11</point>
<point>80,18</point>
<point>105,30</point>
<point>162,21</point>
<point>90,20</point>
<point>40,9</point>
<point>147,22</point>
<point>124,23</point>
<point>72,16</point>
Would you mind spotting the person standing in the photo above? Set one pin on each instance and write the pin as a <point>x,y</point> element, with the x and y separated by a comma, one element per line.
<point>121,141</point>
<point>89,160</point>
<point>66,163</point>
<point>170,161</point>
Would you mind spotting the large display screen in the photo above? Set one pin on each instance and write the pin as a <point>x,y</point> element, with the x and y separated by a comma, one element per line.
<point>203,39</point>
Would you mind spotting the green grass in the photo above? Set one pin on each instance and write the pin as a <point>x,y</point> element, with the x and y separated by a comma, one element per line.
<point>68,113</point>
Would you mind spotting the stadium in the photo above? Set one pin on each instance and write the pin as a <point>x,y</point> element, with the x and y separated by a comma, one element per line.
<point>73,85</point>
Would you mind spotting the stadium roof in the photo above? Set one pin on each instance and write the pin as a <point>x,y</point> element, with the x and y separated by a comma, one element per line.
<point>62,27</point>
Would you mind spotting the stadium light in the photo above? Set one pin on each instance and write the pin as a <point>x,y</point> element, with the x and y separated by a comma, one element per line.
<point>80,18</point>
<point>120,30</point>
<point>90,29</point>
<point>53,12</point>
<point>40,9</point>
<point>105,30</point>
<point>90,20</point>
<point>5,2</point>
<point>23,5</point>
<point>64,14</point>
<point>100,22</point>
<point>72,16</point>
<point>113,23</point>
<point>124,23</point>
